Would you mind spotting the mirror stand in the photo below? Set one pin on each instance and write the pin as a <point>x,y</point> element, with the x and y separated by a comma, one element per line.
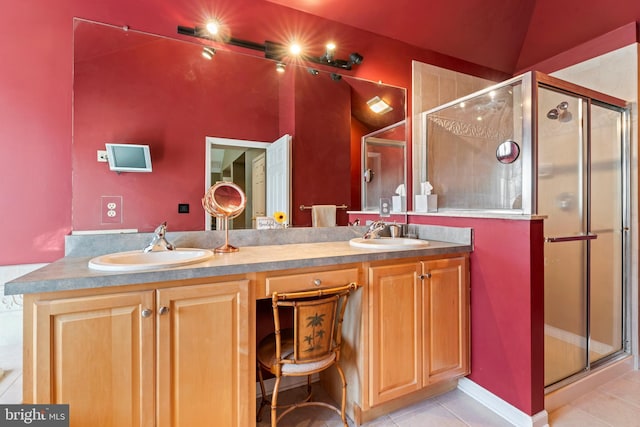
<point>226,248</point>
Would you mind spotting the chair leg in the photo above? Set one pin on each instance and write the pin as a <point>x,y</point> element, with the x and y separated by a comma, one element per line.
<point>343,413</point>
<point>264,401</point>
<point>274,403</point>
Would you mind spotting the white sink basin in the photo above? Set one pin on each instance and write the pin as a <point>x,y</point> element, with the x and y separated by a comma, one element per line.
<point>139,260</point>
<point>388,243</point>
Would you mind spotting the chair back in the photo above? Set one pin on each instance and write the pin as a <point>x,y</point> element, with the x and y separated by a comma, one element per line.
<point>317,322</point>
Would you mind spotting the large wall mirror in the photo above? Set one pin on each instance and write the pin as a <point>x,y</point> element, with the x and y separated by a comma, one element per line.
<point>133,87</point>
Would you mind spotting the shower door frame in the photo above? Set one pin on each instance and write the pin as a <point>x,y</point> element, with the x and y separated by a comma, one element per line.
<point>594,98</point>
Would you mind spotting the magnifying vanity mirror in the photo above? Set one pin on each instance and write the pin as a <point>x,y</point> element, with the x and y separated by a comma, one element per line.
<point>138,88</point>
<point>507,152</point>
<point>224,200</point>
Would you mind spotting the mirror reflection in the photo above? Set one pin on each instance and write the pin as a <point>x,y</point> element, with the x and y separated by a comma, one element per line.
<point>255,167</point>
<point>131,87</point>
<point>384,177</point>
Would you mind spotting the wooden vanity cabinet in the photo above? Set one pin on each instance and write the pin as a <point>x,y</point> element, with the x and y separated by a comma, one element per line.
<point>418,321</point>
<point>205,360</point>
<point>152,357</point>
<point>176,354</point>
<point>96,354</point>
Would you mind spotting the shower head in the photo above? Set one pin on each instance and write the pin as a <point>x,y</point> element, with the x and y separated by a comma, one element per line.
<point>553,114</point>
<point>560,112</point>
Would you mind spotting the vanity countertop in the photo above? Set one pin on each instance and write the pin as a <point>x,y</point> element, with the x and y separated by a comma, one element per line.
<point>70,273</point>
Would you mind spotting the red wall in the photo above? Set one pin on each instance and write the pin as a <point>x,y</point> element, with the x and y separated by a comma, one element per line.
<point>323,120</point>
<point>36,93</point>
<point>507,302</point>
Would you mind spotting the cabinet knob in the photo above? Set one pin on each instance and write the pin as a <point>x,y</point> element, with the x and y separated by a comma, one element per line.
<point>317,282</point>
<point>146,312</point>
<point>425,276</point>
<point>163,310</point>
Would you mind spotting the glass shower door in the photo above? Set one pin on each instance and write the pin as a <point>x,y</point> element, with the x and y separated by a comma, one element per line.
<point>562,196</point>
<point>606,273</point>
<point>580,191</point>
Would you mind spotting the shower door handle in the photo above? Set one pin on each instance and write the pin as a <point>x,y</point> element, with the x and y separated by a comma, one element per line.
<point>588,236</point>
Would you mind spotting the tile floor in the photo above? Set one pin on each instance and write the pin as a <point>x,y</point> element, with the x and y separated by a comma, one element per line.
<point>11,377</point>
<point>614,404</point>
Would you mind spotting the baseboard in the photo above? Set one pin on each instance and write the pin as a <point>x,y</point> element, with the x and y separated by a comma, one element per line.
<point>507,411</point>
<point>286,383</point>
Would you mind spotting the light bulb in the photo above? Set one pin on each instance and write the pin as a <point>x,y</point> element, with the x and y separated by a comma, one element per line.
<point>213,27</point>
<point>295,48</point>
<point>331,47</point>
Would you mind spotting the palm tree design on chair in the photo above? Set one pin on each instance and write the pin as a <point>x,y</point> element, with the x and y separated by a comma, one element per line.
<point>314,322</point>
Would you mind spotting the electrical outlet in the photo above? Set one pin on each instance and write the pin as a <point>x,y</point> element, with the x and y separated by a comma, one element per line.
<point>111,209</point>
<point>102,156</point>
<point>385,207</point>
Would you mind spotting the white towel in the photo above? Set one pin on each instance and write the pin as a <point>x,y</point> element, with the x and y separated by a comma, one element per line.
<point>323,215</point>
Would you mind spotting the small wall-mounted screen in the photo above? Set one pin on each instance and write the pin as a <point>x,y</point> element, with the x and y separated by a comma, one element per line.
<point>129,157</point>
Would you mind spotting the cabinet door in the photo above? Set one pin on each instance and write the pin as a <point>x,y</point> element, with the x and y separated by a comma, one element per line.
<point>395,316</point>
<point>446,310</point>
<point>205,368</point>
<point>96,354</point>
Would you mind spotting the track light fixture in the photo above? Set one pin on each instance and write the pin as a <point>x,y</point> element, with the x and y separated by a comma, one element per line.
<point>355,58</point>
<point>331,48</point>
<point>272,50</point>
<point>208,52</point>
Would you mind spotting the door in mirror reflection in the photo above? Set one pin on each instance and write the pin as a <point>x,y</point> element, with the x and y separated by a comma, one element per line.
<point>261,169</point>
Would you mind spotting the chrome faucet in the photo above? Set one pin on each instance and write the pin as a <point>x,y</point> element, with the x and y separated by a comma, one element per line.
<point>159,242</point>
<point>374,228</point>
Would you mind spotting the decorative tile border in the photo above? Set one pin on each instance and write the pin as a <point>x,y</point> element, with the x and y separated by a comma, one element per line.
<point>10,272</point>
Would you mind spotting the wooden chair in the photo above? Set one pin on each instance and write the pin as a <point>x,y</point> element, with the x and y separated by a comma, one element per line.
<point>311,346</point>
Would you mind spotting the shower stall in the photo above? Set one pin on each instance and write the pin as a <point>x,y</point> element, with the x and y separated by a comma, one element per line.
<point>537,145</point>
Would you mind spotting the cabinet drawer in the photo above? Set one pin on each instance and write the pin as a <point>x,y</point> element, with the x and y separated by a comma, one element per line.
<point>306,281</point>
